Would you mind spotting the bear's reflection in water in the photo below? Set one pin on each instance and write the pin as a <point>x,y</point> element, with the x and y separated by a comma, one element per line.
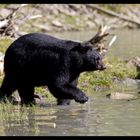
<point>47,120</point>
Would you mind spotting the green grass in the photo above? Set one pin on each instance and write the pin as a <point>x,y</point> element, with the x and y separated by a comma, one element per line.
<point>117,69</point>
<point>4,43</point>
<point>44,91</point>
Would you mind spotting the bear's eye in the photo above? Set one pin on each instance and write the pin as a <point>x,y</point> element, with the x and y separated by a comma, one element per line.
<point>97,59</point>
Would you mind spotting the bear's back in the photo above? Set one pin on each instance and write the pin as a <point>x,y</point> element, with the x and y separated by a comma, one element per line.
<point>40,39</point>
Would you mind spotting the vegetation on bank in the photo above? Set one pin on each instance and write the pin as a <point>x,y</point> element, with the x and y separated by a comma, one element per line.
<point>117,71</point>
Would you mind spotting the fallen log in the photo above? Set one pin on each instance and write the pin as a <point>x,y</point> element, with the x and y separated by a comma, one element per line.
<point>112,13</point>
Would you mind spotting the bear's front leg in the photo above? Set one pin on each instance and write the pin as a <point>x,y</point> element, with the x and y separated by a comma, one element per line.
<point>64,90</point>
<point>67,101</point>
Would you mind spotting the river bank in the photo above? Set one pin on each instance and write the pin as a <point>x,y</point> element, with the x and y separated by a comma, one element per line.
<point>71,17</point>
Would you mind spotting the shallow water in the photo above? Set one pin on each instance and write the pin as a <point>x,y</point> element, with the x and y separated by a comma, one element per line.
<point>101,116</point>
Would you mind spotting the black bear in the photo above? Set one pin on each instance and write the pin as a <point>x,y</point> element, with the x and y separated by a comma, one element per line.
<point>38,59</point>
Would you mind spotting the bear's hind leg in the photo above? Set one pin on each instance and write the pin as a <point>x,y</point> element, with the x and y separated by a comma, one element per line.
<point>26,94</point>
<point>7,88</point>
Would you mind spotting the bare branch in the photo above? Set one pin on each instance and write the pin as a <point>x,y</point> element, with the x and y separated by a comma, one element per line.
<point>97,41</point>
<point>102,32</point>
<point>7,24</point>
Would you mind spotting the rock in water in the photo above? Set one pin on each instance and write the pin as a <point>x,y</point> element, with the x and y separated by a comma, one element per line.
<point>40,99</point>
<point>118,95</point>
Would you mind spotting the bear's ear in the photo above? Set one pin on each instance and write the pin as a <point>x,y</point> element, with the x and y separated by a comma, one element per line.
<point>82,48</point>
